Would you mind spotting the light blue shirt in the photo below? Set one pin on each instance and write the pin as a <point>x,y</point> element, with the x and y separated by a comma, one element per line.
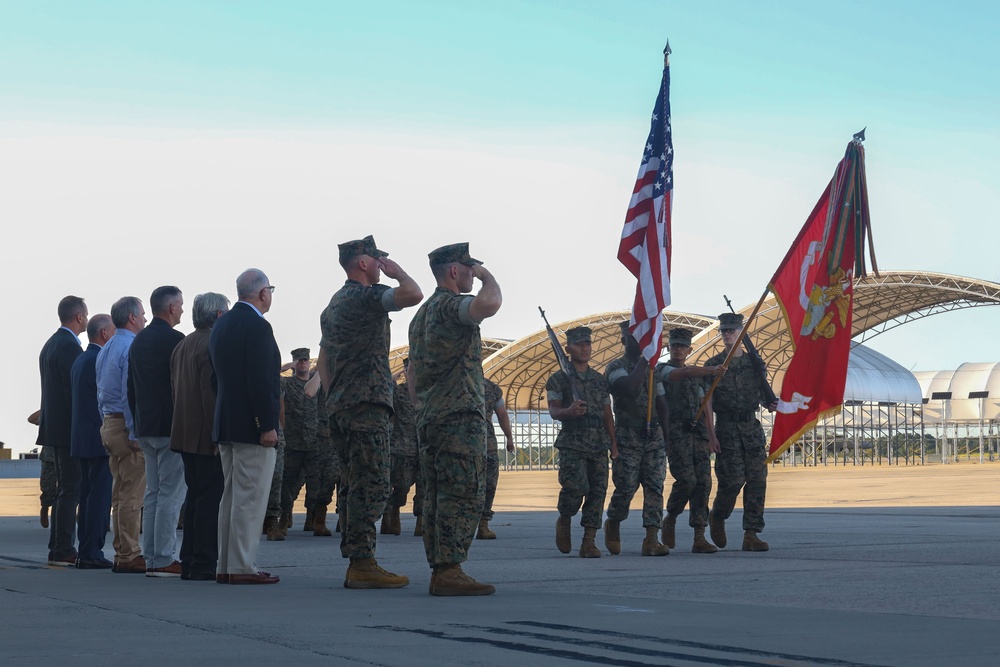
<point>112,377</point>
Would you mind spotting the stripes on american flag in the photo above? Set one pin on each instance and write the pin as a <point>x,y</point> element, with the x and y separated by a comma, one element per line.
<point>645,245</point>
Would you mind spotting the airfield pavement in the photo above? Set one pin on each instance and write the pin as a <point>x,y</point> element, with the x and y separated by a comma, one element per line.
<point>869,565</point>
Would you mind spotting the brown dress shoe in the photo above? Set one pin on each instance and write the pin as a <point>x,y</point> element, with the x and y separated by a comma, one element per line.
<point>135,566</point>
<point>222,578</point>
<point>256,578</point>
<point>172,570</point>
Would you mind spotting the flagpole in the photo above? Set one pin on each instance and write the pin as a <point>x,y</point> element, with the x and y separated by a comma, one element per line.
<point>732,350</point>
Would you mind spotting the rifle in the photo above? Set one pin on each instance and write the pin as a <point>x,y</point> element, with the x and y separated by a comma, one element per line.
<point>758,365</point>
<point>562,359</point>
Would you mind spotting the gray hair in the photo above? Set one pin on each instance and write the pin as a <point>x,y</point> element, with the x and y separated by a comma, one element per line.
<point>250,283</point>
<point>97,322</point>
<point>205,310</point>
<point>123,308</point>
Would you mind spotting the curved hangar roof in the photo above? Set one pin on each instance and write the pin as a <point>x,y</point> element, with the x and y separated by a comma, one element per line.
<point>969,393</point>
<point>881,303</point>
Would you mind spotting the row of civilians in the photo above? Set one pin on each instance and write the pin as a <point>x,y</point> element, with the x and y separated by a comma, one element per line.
<point>139,400</point>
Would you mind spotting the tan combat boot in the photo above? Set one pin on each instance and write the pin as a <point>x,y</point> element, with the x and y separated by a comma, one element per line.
<point>753,543</point>
<point>319,522</point>
<point>392,518</point>
<point>418,530</point>
<point>273,530</point>
<point>701,545</point>
<point>668,532</point>
<point>308,524</point>
<point>612,537</point>
<point>587,548</point>
<point>451,580</point>
<point>366,573</point>
<point>717,529</point>
<point>484,532</point>
<point>563,537</point>
<point>651,546</point>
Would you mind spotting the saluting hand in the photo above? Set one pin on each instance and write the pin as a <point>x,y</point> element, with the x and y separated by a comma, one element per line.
<point>390,268</point>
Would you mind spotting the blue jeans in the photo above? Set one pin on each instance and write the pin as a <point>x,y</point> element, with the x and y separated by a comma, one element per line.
<point>161,506</point>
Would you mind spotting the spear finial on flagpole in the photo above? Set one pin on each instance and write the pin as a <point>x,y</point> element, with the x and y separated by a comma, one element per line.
<point>666,54</point>
<point>860,136</point>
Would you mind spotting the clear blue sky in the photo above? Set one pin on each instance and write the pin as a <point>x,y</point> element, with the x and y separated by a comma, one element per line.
<point>179,142</point>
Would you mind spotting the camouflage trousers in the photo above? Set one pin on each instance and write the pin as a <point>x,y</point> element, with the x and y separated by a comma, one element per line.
<point>691,469</point>
<point>492,478</point>
<point>640,461</point>
<point>361,440</point>
<point>583,481</point>
<point>47,481</point>
<point>452,462</point>
<point>318,468</point>
<point>404,474</point>
<point>274,496</point>
<point>742,465</point>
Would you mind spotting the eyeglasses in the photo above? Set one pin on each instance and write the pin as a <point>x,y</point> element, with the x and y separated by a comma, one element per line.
<point>270,288</point>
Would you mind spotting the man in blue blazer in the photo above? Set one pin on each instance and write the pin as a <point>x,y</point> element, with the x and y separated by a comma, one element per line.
<point>246,365</point>
<point>86,446</point>
<point>54,364</point>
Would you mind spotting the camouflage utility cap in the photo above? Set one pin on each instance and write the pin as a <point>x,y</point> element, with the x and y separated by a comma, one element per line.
<point>365,246</point>
<point>680,337</point>
<point>300,353</point>
<point>578,335</point>
<point>730,322</point>
<point>456,252</point>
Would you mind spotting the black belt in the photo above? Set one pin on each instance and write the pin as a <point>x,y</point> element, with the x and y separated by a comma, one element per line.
<point>115,415</point>
<point>580,423</point>
<point>635,422</point>
<point>730,417</point>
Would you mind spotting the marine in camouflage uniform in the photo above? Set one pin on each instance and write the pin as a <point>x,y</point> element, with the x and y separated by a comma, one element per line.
<point>447,372</point>
<point>330,469</point>
<point>642,451</point>
<point>689,444</point>
<point>47,480</point>
<point>742,463</point>
<point>494,405</point>
<point>586,436</point>
<point>405,459</point>
<point>275,526</point>
<point>47,484</point>
<point>302,444</point>
<point>355,362</point>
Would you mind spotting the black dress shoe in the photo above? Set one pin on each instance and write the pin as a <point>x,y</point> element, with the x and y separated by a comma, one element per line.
<point>98,564</point>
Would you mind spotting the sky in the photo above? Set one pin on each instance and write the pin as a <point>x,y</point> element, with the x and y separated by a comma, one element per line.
<point>178,143</point>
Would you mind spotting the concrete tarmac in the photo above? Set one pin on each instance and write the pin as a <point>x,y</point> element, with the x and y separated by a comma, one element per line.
<point>844,585</point>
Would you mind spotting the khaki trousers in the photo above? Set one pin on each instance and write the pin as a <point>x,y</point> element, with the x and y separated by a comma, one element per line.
<point>128,484</point>
<point>247,469</point>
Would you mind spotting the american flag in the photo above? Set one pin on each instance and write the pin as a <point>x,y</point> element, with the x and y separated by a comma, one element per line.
<point>645,245</point>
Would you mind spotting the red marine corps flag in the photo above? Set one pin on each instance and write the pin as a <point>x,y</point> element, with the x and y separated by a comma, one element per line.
<point>645,245</point>
<point>814,285</point>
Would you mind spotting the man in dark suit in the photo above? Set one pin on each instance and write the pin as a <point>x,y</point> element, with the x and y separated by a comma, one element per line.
<point>54,364</point>
<point>246,363</point>
<point>94,515</point>
<point>151,400</point>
